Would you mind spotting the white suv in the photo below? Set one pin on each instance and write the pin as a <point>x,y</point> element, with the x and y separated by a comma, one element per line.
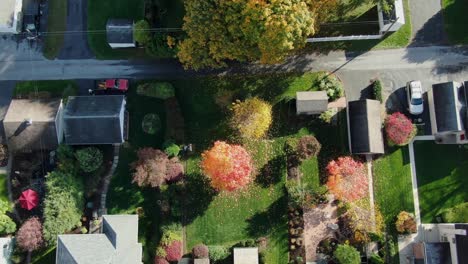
<point>414,94</point>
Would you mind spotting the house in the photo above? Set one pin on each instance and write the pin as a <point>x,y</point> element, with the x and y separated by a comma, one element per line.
<point>95,120</point>
<point>117,244</point>
<point>365,127</point>
<point>33,125</point>
<point>447,110</point>
<point>245,255</point>
<point>10,16</point>
<point>8,245</point>
<point>311,103</point>
<point>120,33</point>
<point>442,244</point>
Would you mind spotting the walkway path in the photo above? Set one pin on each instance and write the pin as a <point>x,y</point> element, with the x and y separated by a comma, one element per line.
<point>371,188</point>
<point>107,179</point>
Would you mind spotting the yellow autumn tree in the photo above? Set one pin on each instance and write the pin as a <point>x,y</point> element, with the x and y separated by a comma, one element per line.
<point>244,30</point>
<point>251,118</point>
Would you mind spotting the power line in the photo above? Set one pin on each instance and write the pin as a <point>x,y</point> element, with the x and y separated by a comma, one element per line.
<point>103,31</point>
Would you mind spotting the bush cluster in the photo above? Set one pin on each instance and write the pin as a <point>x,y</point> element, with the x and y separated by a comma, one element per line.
<point>160,90</point>
<point>377,89</point>
<point>251,118</point>
<point>405,223</point>
<point>346,254</point>
<point>200,251</point>
<point>399,129</point>
<point>218,253</point>
<point>170,245</point>
<point>89,159</point>
<point>332,85</point>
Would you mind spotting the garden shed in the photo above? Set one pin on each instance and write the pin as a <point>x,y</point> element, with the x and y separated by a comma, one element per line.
<point>120,33</point>
<point>365,127</point>
<point>95,120</point>
<point>311,103</point>
<point>33,125</point>
<point>245,255</point>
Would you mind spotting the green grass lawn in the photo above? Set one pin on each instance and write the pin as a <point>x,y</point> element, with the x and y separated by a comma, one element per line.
<point>454,12</point>
<point>56,22</point>
<point>393,187</point>
<point>55,88</point>
<point>441,172</point>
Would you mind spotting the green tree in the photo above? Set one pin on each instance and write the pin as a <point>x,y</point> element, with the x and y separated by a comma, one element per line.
<point>141,32</point>
<point>7,226</point>
<point>243,30</point>
<point>346,254</point>
<point>63,204</point>
<point>90,159</point>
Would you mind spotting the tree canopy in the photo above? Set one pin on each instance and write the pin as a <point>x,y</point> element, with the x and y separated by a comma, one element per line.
<point>251,118</point>
<point>243,30</point>
<point>29,236</point>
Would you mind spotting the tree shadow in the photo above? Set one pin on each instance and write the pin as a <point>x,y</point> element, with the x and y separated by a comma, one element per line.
<point>431,33</point>
<point>197,194</point>
<point>270,173</point>
<point>367,92</point>
<point>271,222</point>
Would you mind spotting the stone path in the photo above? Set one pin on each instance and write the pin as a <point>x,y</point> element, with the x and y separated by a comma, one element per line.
<point>107,179</point>
<point>316,227</point>
<point>371,188</point>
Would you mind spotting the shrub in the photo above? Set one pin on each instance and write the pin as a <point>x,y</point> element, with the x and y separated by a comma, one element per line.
<point>302,195</point>
<point>160,260</point>
<point>377,89</point>
<point>171,148</point>
<point>65,152</point>
<point>200,251</point>
<point>399,129</point>
<point>29,236</point>
<point>290,146</point>
<point>228,166</point>
<point>347,179</point>
<point>161,90</point>
<point>141,32</point>
<point>170,234</point>
<point>218,253</point>
<point>5,206</point>
<point>251,118</point>
<point>346,254</point>
<point>405,223</point>
<point>328,115</point>
<point>159,46</point>
<point>456,214</point>
<point>376,259</point>
<point>307,147</point>
<point>89,159</point>
<point>358,222</point>
<point>332,85</point>
<point>7,226</point>
<point>174,251</point>
<point>161,252</point>
<point>153,168</point>
<point>151,124</point>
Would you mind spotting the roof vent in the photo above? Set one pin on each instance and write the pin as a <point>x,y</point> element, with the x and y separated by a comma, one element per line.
<point>28,121</point>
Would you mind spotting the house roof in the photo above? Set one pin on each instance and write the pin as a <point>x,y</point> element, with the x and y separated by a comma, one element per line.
<point>94,119</point>
<point>314,102</point>
<point>119,31</point>
<point>9,11</point>
<point>118,243</point>
<point>462,244</point>
<point>245,255</point>
<point>365,127</point>
<point>437,253</point>
<point>447,108</point>
<point>40,134</point>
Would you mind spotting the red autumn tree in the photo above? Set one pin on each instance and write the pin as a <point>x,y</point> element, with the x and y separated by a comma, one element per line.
<point>29,236</point>
<point>228,166</point>
<point>174,251</point>
<point>347,179</point>
<point>153,168</point>
<point>399,129</point>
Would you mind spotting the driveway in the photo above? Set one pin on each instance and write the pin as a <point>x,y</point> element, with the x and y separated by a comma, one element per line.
<point>17,48</point>
<point>6,93</point>
<point>76,42</point>
<point>427,23</point>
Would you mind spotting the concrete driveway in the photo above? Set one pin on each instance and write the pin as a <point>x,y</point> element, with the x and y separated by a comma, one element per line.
<point>427,23</point>
<point>6,93</point>
<point>76,40</point>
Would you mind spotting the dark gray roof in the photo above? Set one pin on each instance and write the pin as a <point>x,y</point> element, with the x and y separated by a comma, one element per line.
<point>40,134</point>
<point>119,31</point>
<point>365,127</point>
<point>462,244</point>
<point>446,107</point>
<point>93,120</point>
<point>438,253</point>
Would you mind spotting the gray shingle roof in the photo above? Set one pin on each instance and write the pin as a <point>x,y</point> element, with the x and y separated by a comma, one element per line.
<point>314,102</point>
<point>94,119</point>
<point>365,127</point>
<point>119,31</point>
<point>41,134</point>
<point>118,244</point>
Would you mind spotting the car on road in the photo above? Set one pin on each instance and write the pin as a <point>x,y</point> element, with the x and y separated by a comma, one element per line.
<point>414,94</point>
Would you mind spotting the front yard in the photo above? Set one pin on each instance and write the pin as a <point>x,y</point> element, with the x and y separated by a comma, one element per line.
<point>441,173</point>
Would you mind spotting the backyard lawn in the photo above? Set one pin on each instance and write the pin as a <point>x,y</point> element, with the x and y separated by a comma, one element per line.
<point>454,12</point>
<point>170,15</point>
<point>441,172</point>
<point>56,22</point>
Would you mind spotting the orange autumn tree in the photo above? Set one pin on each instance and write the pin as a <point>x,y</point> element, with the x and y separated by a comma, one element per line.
<point>347,179</point>
<point>228,166</point>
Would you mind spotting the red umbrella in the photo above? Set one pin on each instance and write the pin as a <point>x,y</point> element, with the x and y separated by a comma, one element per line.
<point>29,199</point>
